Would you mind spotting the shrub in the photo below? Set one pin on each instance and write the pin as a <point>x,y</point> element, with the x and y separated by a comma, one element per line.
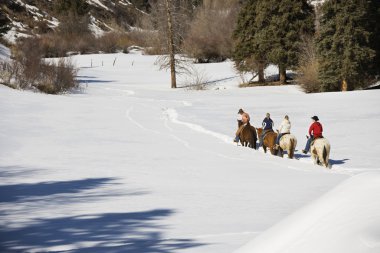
<point>9,72</point>
<point>28,70</point>
<point>307,71</point>
<point>113,42</point>
<point>194,78</point>
<point>57,78</point>
<point>210,35</point>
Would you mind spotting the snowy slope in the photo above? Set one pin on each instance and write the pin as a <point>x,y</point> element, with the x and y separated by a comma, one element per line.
<point>347,219</point>
<point>129,165</point>
<point>23,18</point>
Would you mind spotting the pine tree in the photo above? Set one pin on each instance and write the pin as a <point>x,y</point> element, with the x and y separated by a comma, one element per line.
<point>250,53</point>
<point>374,16</point>
<point>290,20</point>
<point>271,31</point>
<point>344,45</point>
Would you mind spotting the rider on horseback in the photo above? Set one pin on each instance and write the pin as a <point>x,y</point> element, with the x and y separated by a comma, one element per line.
<point>315,131</point>
<point>267,127</point>
<point>283,129</point>
<point>243,119</point>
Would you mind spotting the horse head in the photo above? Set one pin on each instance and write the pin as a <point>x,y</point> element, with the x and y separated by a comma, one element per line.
<point>259,131</point>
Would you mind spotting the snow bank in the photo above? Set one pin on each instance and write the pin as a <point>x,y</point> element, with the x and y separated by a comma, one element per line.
<point>347,219</point>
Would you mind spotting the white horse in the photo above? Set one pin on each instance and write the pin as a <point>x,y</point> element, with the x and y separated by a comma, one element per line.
<point>320,151</point>
<point>288,142</point>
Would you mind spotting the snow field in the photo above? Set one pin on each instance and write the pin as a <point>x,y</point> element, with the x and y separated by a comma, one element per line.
<point>129,164</point>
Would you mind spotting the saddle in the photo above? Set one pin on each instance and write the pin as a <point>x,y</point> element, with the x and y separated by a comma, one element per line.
<point>284,135</point>
<point>314,139</point>
<point>267,132</point>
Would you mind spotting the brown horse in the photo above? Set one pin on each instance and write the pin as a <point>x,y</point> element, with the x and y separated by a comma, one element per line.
<point>248,136</point>
<point>269,141</point>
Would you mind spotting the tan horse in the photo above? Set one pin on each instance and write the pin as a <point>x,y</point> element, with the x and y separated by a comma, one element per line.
<point>288,142</point>
<point>248,136</point>
<point>269,141</point>
<point>320,151</point>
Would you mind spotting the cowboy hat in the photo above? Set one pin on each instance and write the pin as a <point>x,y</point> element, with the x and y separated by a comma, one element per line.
<point>315,118</point>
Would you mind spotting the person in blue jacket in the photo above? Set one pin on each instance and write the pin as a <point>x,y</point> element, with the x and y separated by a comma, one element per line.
<point>267,127</point>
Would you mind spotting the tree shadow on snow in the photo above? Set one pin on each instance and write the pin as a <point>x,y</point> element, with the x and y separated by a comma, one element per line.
<point>91,80</point>
<point>108,232</point>
<point>104,232</point>
<point>32,192</point>
<point>15,171</point>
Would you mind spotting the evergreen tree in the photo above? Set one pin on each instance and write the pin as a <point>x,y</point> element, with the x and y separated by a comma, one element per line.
<point>250,53</point>
<point>345,44</point>
<point>374,16</point>
<point>290,20</point>
<point>271,31</point>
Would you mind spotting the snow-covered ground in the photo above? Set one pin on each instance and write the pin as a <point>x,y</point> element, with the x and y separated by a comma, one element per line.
<point>129,165</point>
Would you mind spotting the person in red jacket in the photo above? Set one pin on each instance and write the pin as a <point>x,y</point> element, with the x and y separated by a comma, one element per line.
<point>315,131</point>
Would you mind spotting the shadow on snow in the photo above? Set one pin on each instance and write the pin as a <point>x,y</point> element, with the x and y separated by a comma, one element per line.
<point>108,232</point>
<point>91,79</point>
<point>338,162</point>
<point>25,192</point>
<point>104,232</point>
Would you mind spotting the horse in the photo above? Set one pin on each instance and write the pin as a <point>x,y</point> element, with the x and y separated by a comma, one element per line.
<point>287,142</point>
<point>248,136</point>
<point>269,141</point>
<point>320,151</point>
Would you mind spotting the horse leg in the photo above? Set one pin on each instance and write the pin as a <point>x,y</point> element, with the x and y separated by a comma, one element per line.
<point>290,153</point>
<point>281,151</point>
<point>265,148</point>
<point>314,158</point>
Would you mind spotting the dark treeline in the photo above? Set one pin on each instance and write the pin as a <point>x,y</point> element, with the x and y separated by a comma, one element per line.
<point>331,47</point>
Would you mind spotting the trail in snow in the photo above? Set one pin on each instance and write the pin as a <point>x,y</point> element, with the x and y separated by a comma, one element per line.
<point>130,118</point>
<point>173,117</point>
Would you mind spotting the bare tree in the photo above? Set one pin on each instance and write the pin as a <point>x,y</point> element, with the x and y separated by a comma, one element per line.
<point>170,18</point>
<point>170,39</point>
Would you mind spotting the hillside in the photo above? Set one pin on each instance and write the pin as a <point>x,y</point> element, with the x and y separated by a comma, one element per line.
<point>20,18</point>
<point>25,17</point>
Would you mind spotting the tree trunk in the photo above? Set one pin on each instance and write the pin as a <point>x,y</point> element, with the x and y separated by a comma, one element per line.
<point>282,75</point>
<point>344,85</point>
<point>170,38</point>
<point>261,73</point>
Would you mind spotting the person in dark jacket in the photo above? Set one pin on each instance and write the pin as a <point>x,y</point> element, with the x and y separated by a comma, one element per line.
<point>315,131</point>
<point>267,127</point>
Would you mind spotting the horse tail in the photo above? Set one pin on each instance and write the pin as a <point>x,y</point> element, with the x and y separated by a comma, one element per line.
<point>324,156</point>
<point>291,148</point>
